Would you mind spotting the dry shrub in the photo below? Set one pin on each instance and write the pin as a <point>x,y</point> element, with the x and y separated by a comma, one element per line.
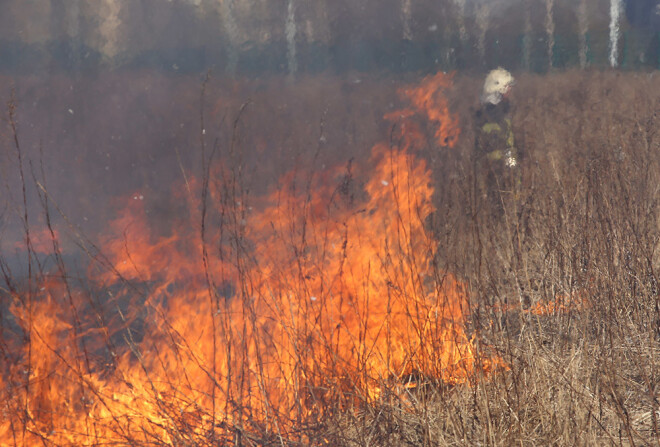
<point>562,286</point>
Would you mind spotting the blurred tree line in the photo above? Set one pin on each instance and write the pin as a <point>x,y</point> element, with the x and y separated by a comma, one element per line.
<point>257,36</point>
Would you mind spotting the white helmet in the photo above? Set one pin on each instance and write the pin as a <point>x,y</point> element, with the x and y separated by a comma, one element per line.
<point>497,84</point>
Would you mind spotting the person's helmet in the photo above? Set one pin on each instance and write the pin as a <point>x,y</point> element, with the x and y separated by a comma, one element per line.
<point>497,84</point>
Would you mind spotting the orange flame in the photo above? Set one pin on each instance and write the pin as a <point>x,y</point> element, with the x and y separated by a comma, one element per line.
<point>430,100</point>
<point>243,318</point>
<point>561,304</point>
<point>40,241</point>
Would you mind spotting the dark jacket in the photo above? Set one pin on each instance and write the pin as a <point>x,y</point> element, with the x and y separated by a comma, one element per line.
<point>494,134</point>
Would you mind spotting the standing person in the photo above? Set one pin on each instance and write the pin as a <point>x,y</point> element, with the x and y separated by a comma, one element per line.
<point>497,171</point>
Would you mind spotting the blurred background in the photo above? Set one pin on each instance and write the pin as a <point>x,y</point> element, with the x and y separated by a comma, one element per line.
<point>256,37</point>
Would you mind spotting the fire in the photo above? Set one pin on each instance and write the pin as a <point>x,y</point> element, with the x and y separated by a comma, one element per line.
<point>243,317</point>
<point>562,304</point>
<point>429,99</point>
<point>39,241</point>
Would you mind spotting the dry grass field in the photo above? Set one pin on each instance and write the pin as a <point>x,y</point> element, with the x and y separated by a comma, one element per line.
<point>368,296</point>
<point>563,285</point>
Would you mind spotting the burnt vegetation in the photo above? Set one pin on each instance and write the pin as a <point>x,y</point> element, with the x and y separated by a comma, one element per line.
<point>561,286</point>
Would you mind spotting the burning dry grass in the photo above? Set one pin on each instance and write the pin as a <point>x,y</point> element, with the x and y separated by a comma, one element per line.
<point>377,303</point>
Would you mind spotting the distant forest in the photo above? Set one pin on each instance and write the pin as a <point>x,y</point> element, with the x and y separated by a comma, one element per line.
<point>251,37</point>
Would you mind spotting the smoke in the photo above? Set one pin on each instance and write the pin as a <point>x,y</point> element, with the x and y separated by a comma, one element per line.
<point>229,24</point>
<point>72,19</point>
<point>109,27</point>
<point>461,21</point>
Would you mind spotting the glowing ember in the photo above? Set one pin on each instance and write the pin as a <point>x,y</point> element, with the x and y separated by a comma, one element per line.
<point>244,318</point>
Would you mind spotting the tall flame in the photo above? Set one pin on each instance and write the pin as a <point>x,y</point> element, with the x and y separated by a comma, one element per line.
<point>242,318</point>
<point>429,100</point>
